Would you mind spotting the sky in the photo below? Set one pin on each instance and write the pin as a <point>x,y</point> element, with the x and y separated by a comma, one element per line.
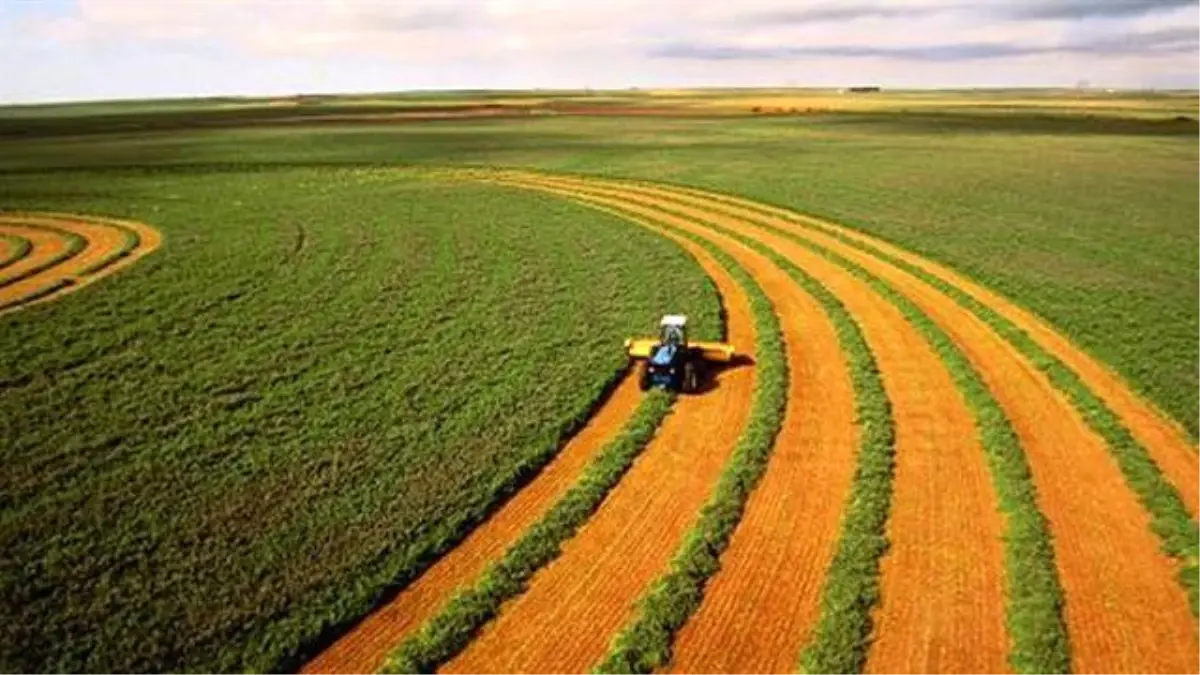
<point>55,50</point>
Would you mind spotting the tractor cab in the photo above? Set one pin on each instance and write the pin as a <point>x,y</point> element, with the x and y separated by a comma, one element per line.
<point>673,330</point>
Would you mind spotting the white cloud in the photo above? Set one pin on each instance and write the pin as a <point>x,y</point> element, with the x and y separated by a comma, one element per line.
<point>614,43</point>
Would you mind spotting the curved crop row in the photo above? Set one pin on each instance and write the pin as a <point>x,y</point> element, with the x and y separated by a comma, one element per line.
<point>94,247</point>
<point>446,633</point>
<point>1172,521</point>
<point>1035,596</point>
<point>1088,539</point>
<point>18,248</point>
<point>75,245</point>
<point>645,643</point>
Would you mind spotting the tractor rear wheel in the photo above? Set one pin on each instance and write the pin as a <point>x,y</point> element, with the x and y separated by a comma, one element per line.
<point>644,377</point>
<point>691,378</point>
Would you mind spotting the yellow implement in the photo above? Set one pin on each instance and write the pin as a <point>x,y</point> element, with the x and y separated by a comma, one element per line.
<point>720,352</point>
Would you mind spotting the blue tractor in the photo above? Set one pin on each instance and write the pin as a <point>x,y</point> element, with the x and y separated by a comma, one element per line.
<point>670,361</point>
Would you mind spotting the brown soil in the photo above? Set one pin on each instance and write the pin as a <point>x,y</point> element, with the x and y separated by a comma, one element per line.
<point>943,576</point>
<point>45,246</point>
<point>1124,608</point>
<point>366,646</point>
<point>102,239</point>
<point>576,604</point>
<point>1166,442</point>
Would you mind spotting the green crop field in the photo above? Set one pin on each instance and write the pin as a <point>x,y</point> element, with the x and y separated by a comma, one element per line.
<point>341,361</point>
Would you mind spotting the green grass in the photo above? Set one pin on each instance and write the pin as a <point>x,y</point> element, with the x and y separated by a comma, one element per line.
<point>19,247</point>
<point>645,643</point>
<point>249,439</point>
<point>1090,223</point>
<point>452,628</point>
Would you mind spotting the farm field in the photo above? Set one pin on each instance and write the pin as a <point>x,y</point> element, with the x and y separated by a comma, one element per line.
<point>352,397</point>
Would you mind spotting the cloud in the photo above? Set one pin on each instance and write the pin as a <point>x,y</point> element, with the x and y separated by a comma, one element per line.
<point>1088,9</point>
<point>834,13</point>
<point>1166,41</point>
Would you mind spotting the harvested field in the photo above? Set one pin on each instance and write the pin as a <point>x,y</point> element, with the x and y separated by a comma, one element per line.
<point>65,253</point>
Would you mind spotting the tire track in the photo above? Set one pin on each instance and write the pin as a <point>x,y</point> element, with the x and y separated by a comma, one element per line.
<point>574,606</point>
<point>943,577</point>
<point>1124,611</point>
<point>365,647</point>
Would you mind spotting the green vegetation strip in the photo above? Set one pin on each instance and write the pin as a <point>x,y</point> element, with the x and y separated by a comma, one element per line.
<point>129,241</point>
<point>1034,611</point>
<point>75,244</point>
<point>645,643</point>
<point>1176,530</point>
<point>449,631</point>
<point>19,248</point>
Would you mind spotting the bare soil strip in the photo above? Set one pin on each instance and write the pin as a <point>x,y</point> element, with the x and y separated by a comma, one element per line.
<point>1125,611</point>
<point>943,606</point>
<point>107,249</point>
<point>365,648</point>
<point>47,245</point>
<point>1167,443</point>
<point>574,606</point>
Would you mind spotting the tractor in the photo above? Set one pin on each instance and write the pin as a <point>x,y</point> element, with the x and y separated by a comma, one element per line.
<point>673,363</point>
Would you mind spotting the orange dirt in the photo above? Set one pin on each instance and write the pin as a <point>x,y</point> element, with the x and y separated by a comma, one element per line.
<point>1165,441</point>
<point>365,648</point>
<point>46,245</point>
<point>943,607</point>
<point>102,238</point>
<point>1124,609</point>
<point>574,606</point>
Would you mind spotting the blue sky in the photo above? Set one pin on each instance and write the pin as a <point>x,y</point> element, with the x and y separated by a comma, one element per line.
<point>95,49</point>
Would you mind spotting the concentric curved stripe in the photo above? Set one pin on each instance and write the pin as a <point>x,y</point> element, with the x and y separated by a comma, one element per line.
<point>1008,496</point>
<point>13,248</point>
<point>67,252</point>
<point>1095,516</point>
<point>943,498</point>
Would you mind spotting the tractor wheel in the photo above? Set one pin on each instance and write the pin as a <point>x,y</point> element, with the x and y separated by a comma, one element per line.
<point>644,377</point>
<point>691,378</point>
